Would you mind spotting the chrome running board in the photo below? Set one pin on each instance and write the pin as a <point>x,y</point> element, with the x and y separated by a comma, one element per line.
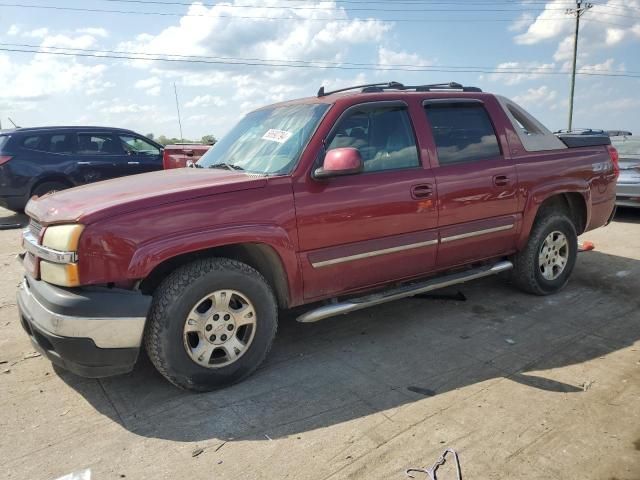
<point>359,303</point>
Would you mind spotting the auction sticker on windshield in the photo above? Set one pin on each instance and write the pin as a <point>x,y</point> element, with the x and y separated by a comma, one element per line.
<point>279,136</point>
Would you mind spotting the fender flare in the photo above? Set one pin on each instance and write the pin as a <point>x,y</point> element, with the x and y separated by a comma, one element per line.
<point>152,254</point>
<point>536,197</point>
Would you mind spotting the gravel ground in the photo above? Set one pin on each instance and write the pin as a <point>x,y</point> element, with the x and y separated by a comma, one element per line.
<point>521,386</point>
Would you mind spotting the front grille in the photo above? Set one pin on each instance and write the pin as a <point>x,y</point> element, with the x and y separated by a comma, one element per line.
<point>35,228</point>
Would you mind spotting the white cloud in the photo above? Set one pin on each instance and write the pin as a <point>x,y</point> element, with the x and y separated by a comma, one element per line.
<point>13,30</point>
<point>202,101</point>
<point>94,31</point>
<point>549,24</point>
<point>152,86</point>
<point>127,108</point>
<point>517,72</point>
<point>536,96</point>
<point>522,22</point>
<point>387,56</point>
<point>37,33</point>
<point>44,76</point>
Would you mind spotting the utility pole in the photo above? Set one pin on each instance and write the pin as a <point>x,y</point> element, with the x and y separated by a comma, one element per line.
<point>581,8</point>
<point>175,90</point>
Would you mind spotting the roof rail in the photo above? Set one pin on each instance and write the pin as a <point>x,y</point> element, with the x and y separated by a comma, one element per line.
<point>381,87</point>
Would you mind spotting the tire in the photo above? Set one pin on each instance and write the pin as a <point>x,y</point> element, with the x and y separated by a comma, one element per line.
<point>188,336</point>
<point>48,187</point>
<point>534,268</point>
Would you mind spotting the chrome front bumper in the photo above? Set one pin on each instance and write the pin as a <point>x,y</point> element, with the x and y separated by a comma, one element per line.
<point>93,332</point>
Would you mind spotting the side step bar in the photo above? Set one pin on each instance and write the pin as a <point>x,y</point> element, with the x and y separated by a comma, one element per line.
<point>354,304</point>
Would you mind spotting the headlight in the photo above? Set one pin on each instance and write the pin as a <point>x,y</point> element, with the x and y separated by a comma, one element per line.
<point>63,274</point>
<point>63,238</point>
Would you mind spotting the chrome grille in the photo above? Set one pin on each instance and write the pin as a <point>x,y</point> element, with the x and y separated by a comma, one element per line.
<point>35,228</point>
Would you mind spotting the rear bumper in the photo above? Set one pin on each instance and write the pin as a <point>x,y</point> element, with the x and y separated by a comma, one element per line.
<point>628,194</point>
<point>90,332</point>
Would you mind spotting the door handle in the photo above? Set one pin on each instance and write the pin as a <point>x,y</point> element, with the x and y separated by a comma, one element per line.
<point>500,180</point>
<point>421,191</point>
<point>133,163</point>
<point>84,163</point>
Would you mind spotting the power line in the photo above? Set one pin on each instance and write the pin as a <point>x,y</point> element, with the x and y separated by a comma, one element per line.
<point>295,18</point>
<point>314,63</point>
<point>373,67</point>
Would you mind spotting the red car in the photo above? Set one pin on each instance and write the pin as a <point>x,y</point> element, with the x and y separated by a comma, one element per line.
<point>182,155</point>
<point>343,200</point>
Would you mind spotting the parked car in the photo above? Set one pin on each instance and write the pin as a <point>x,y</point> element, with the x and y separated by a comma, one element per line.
<point>339,202</point>
<point>628,190</point>
<point>36,161</point>
<point>182,155</point>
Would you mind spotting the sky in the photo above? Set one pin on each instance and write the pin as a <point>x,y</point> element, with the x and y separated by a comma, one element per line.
<point>243,54</point>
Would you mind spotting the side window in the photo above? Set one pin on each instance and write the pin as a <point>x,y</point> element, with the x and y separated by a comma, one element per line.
<point>135,146</point>
<point>60,143</point>
<point>383,136</point>
<point>34,142</point>
<point>97,144</point>
<point>463,132</point>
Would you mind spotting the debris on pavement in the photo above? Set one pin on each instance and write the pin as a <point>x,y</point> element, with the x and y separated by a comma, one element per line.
<point>268,437</point>
<point>422,391</point>
<point>510,341</point>
<point>6,370</point>
<point>587,385</point>
<point>431,471</point>
<point>197,452</point>
<point>31,355</point>
<point>80,475</point>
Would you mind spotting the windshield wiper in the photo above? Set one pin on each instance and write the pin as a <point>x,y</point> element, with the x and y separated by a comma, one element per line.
<point>228,166</point>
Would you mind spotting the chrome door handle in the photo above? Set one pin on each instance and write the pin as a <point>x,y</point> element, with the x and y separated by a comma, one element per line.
<point>421,191</point>
<point>133,163</point>
<point>84,163</point>
<point>500,180</point>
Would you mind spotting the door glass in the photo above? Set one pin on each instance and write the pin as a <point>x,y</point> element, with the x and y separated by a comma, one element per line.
<point>137,146</point>
<point>33,143</point>
<point>60,144</point>
<point>97,144</point>
<point>462,132</point>
<point>383,136</point>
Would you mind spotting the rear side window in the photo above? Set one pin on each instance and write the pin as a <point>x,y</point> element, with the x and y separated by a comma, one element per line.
<point>97,144</point>
<point>62,143</point>
<point>463,132</point>
<point>34,142</point>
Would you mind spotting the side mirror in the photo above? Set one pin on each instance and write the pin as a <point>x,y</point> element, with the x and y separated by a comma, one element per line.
<point>340,161</point>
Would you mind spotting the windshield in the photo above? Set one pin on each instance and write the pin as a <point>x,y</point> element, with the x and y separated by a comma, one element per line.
<point>267,141</point>
<point>627,146</point>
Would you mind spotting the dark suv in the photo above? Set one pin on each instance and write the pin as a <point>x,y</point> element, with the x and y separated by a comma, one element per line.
<point>35,161</point>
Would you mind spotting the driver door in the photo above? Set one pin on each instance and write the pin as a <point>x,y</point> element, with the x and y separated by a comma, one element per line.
<point>140,156</point>
<point>374,227</point>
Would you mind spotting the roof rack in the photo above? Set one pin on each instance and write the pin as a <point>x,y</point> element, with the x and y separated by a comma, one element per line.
<point>381,87</point>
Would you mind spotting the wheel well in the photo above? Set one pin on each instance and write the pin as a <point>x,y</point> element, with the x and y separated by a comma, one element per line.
<point>571,203</point>
<point>259,256</point>
<point>54,178</point>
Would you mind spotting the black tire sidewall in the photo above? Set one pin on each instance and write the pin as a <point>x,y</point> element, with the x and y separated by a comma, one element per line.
<point>177,362</point>
<point>561,224</point>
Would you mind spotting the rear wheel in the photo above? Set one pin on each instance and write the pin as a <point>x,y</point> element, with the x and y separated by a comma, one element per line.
<point>546,263</point>
<point>48,187</point>
<point>211,324</point>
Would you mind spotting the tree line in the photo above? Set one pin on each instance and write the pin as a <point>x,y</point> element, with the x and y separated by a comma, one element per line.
<point>163,140</point>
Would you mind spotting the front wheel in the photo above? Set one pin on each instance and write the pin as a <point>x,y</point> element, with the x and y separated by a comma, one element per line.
<point>546,263</point>
<point>211,324</point>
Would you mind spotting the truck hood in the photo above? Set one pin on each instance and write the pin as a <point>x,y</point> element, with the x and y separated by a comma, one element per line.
<point>92,202</point>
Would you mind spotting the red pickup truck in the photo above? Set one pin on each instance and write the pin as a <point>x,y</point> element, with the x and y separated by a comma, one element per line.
<point>340,201</point>
<point>182,154</point>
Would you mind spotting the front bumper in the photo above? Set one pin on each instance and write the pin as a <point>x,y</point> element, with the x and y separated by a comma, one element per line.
<point>92,332</point>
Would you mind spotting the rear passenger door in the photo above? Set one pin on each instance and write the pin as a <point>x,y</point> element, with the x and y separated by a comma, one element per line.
<point>476,181</point>
<point>98,156</point>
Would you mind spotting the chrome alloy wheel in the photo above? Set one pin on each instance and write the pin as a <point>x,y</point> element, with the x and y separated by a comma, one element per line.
<point>553,255</point>
<point>219,328</point>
